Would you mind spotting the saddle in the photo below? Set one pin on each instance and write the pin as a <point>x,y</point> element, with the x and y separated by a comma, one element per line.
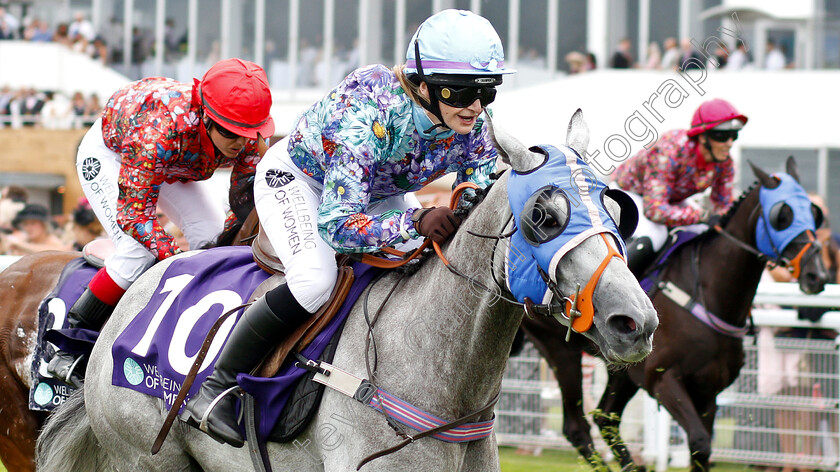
<point>266,258</point>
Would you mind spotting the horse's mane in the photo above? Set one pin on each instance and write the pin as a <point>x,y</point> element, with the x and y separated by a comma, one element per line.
<point>724,219</point>
<point>242,204</point>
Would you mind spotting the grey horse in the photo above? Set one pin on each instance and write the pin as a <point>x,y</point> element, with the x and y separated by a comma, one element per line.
<point>442,342</point>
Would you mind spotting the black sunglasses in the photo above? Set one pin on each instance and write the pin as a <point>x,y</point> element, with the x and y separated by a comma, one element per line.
<point>722,136</point>
<point>466,96</point>
<point>225,133</point>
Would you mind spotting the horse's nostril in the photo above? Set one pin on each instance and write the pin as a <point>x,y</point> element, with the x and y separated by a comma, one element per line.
<point>623,324</point>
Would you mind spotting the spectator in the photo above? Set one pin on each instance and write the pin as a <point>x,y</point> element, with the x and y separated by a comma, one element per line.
<point>78,106</point>
<point>592,63</point>
<point>577,62</point>
<point>56,113</point>
<point>34,223</point>
<point>81,26</point>
<point>622,59</point>
<point>81,45</point>
<point>31,105</point>
<point>8,25</point>
<point>739,59</point>
<point>12,201</point>
<point>38,31</point>
<point>99,50</point>
<point>85,226</point>
<point>62,35</point>
<point>718,60</point>
<point>671,56</point>
<point>308,57</point>
<point>654,56</point>
<point>93,108</point>
<point>171,41</point>
<point>6,97</point>
<point>775,58</point>
<point>689,58</point>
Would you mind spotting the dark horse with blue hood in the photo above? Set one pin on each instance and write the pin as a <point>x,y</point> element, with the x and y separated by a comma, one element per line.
<point>703,294</point>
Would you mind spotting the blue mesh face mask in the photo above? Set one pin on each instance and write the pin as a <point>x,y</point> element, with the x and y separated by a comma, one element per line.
<point>555,207</point>
<point>786,212</point>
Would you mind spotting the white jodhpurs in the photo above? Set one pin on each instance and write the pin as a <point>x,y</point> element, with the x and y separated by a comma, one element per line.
<point>656,232</point>
<point>287,203</point>
<point>192,206</point>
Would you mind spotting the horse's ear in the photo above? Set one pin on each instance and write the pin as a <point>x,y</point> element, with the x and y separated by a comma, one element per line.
<point>791,168</point>
<point>512,152</point>
<point>577,134</point>
<point>763,177</point>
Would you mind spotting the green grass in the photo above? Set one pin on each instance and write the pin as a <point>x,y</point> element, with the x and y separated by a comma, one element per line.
<point>558,461</point>
<point>565,461</point>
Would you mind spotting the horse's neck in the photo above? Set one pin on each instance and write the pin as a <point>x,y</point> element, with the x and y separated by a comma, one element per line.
<point>730,274</point>
<point>469,330</point>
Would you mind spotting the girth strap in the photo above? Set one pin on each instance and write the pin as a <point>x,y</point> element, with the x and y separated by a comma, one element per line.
<point>681,298</point>
<point>363,391</point>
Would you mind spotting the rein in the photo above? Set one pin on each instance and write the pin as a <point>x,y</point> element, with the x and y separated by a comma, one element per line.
<point>377,397</point>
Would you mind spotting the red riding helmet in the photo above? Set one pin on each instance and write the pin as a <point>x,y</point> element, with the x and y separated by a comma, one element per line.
<point>716,114</point>
<point>235,94</point>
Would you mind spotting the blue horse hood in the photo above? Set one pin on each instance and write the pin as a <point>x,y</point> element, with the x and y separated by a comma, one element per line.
<point>567,173</point>
<point>770,241</point>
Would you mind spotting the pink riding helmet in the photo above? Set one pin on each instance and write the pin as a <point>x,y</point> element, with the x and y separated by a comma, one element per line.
<point>716,114</point>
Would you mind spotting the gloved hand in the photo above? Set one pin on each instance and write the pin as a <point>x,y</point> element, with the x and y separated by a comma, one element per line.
<point>438,223</point>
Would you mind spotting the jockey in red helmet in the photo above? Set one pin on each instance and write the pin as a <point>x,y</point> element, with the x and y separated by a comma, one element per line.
<point>342,182</point>
<point>681,164</point>
<point>155,145</point>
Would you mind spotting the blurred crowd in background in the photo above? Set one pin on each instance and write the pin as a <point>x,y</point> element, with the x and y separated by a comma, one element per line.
<point>27,227</point>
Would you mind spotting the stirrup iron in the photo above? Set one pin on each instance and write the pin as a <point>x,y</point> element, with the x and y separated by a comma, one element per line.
<point>206,416</point>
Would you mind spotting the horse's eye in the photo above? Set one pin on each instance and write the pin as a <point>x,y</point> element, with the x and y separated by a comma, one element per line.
<point>781,216</point>
<point>545,215</point>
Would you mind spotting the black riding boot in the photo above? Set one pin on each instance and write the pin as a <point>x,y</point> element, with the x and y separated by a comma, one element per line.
<point>88,312</point>
<point>259,330</point>
<point>640,255</point>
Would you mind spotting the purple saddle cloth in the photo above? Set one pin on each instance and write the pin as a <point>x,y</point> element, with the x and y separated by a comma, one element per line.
<point>155,351</point>
<point>47,392</point>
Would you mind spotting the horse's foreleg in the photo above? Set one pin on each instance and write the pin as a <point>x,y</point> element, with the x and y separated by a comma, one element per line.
<point>620,389</point>
<point>565,361</point>
<point>575,427</point>
<point>672,393</point>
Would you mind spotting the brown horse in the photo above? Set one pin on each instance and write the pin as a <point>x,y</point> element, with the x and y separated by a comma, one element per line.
<point>22,287</point>
<point>691,363</point>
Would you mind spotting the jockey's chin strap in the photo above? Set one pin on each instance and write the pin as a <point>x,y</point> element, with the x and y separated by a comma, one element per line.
<point>793,265</point>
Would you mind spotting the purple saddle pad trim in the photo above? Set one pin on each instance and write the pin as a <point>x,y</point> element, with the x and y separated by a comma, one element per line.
<point>682,238</point>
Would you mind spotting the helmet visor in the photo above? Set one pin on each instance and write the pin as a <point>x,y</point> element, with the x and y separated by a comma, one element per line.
<point>465,96</point>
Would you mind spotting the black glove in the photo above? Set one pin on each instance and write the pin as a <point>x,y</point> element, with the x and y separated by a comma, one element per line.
<point>438,223</point>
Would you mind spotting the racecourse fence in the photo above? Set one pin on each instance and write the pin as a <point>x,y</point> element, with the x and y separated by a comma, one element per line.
<point>782,410</point>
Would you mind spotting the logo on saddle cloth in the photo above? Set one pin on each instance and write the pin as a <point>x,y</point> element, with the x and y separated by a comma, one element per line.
<point>770,240</point>
<point>546,230</point>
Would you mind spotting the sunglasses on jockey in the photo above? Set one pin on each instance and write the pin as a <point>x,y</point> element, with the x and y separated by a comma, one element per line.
<point>722,136</point>
<point>465,96</point>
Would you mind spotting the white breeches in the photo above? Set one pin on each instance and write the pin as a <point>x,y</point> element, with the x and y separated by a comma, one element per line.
<point>287,204</point>
<point>192,206</point>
